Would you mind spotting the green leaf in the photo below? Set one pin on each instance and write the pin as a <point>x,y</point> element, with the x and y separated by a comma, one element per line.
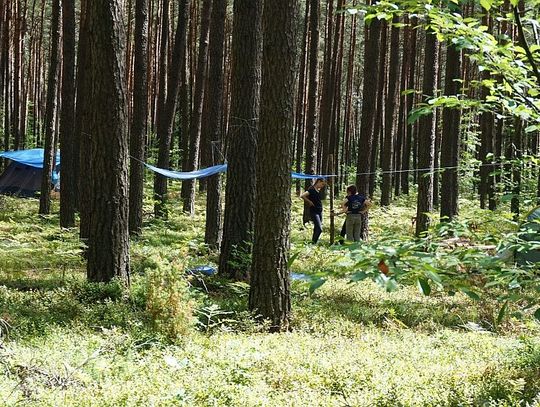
<point>432,275</point>
<point>537,314</point>
<point>471,294</point>
<point>423,284</point>
<point>487,4</point>
<point>514,2</point>
<point>359,276</point>
<point>292,259</point>
<point>502,312</point>
<point>316,284</point>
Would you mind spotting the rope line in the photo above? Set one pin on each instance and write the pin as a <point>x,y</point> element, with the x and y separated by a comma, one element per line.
<point>425,170</point>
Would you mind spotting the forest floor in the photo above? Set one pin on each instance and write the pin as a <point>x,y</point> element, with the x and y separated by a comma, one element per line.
<point>65,342</point>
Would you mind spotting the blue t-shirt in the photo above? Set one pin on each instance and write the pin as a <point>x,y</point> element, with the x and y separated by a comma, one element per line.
<point>315,197</point>
<point>355,203</point>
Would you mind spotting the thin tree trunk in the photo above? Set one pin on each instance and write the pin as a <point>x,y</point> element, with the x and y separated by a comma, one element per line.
<point>369,104</point>
<point>167,111</point>
<point>213,230</point>
<point>188,187</point>
<point>50,120</point>
<point>68,182</point>
<point>410,55</point>
<point>82,119</point>
<point>300,119</point>
<point>312,98</point>
<point>517,154</point>
<point>140,117</point>
<point>391,117</point>
<point>450,137</point>
<point>426,138</point>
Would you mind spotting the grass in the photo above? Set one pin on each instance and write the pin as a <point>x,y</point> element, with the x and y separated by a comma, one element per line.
<point>66,342</point>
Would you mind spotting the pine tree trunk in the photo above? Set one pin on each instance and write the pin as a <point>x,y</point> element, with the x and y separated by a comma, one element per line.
<point>369,104</point>
<point>312,139</point>
<point>50,120</point>
<point>410,55</point>
<point>213,230</point>
<point>391,117</point>
<point>301,103</point>
<point>167,111</point>
<point>82,122</point>
<point>450,137</point>
<point>108,245</point>
<point>160,182</point>
<point>517,154</point>
<point>140,117</point>
<point>487,123</point>
<point>68,182</point>
<point>270,295</point>
<point>243,135</point>
<point>188,187</point>
<point>426,138</point>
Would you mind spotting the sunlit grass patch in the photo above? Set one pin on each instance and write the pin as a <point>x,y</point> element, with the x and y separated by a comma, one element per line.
<point>69,342</point>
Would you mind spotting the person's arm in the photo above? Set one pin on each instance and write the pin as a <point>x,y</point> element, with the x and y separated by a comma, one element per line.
<point>367,205</point>
<point>305,197</point>
<point>344,206</point>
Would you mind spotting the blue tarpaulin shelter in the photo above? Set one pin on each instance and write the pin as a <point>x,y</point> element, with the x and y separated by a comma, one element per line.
<point>22,177</point>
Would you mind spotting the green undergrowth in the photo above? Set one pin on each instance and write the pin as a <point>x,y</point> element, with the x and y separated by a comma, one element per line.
<point>179,339</point>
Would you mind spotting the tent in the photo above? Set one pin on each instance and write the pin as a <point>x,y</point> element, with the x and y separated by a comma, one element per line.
<point>22,177</point>
<point>531,233</point>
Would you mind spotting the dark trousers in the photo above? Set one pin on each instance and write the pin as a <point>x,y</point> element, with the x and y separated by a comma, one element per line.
<point>316,218</point>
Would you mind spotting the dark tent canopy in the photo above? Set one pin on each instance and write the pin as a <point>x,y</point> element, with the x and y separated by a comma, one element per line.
<point>22,177</point>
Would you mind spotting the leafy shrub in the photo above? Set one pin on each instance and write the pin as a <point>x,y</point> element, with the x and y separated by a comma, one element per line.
<point>168,301</point>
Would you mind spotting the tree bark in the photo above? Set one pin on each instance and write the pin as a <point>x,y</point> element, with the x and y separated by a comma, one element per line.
<point>426,138</point>
<point>391,118</point>
<point>213,230</point>
<point>188,187</point>
<point>269,293</point>
<point>68,182</point>
<point>450,137</point>
<point>82,123</point>
<point>108,244</point>
<point>243,135</point>
<point>50,120</point>
<point>369,103</point>
<point>167,111</point>
<point>517,154</point>
<point>312,139</point>
<point>140,117</point>
<point>410,56</point>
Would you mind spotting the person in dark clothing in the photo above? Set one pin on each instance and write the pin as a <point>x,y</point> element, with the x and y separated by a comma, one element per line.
<point>355,205</point>
<point>313,198</point>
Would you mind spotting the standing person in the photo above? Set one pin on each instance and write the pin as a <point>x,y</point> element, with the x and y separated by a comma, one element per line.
<point>354,205</point>
<point>313,198</point>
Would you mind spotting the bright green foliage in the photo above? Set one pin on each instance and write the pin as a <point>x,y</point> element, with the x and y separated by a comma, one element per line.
<point>64,341</point>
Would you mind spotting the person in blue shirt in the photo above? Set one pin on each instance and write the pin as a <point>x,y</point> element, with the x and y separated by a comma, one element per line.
<point>354,205</point>
<point>313,198</point>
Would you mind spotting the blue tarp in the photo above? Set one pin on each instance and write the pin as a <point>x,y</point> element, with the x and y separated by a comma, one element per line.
<point>297,175</point>
<point>32,158</point>
<point>216,169</point>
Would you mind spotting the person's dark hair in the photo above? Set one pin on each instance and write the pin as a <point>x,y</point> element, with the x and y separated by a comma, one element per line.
<point>319,180</point>
<point>352,189</point>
